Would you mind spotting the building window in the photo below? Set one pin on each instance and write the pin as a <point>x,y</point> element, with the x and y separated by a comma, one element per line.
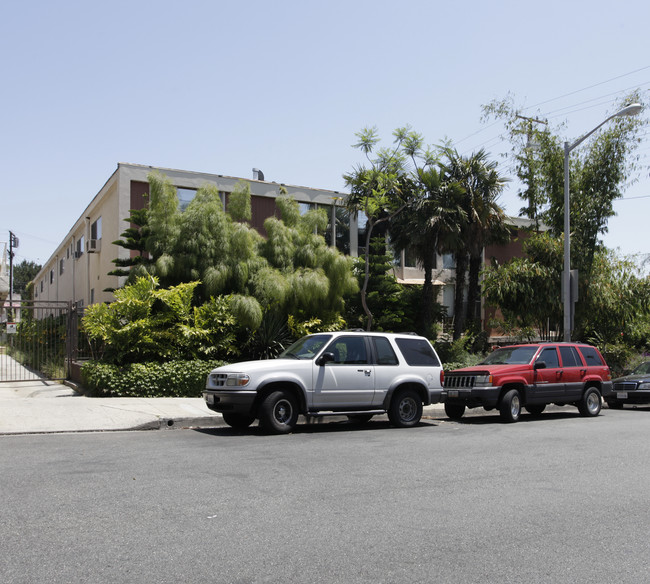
<point>448,261</point>
<point>92,296</point>
<point>96,229</point>
<point>304,208</point>
<point>41,285</point>
<point>362,225</point>
<point>80,247</point>
<point>52,276</point>
<point>61,266</point>
<point>185,197</point>
<point>448,295</point>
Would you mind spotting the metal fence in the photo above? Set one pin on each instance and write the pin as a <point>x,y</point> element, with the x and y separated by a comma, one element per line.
<point>39,341</point>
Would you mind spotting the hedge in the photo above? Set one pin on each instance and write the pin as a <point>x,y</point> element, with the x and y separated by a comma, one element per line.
<point>169,379</point>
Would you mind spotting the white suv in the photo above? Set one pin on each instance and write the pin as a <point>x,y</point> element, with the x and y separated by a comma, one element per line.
<point>352,373</point>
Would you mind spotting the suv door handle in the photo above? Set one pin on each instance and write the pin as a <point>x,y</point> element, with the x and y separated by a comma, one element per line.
<point>366,372</point>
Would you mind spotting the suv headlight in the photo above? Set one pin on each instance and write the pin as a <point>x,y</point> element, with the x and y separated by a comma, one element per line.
<point>483,380</point>
<point>644,385</point>
<point>237,380</point>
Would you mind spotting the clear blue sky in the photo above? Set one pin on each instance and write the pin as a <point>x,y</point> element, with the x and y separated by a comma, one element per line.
<point>283,86</point>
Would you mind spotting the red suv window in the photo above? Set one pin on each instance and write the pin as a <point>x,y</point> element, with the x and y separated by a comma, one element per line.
<point>592,356</point>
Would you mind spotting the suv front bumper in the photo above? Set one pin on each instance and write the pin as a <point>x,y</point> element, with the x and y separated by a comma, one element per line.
<point>237,402</point>
<point>486,397</point>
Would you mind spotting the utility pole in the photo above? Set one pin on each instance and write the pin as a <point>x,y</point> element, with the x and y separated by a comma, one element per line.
<point>13,242</point>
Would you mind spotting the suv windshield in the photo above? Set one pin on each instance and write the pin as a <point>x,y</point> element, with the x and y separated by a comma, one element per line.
<point>510,356</point>
<point>305,348</point>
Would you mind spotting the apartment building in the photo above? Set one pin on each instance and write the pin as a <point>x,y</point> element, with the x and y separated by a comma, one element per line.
<point>78,269</point>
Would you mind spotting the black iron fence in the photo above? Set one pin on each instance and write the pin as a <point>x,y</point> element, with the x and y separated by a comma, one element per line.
<point>40,341</point>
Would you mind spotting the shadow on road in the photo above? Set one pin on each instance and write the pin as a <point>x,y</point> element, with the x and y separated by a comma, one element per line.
<point>317,428</point>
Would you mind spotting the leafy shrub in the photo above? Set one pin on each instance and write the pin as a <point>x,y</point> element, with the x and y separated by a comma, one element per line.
<point>458,353</point>
<point>170,379</point>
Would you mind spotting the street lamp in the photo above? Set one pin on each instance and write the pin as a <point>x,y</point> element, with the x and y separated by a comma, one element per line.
<point>630,110</point>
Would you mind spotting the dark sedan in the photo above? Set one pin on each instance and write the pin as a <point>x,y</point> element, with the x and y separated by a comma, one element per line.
<point>631,389</point>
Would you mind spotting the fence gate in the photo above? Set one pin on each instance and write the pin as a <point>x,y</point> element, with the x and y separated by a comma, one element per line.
<point>37,342</point>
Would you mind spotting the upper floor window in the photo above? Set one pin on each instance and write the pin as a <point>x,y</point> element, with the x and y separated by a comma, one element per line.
<point>52,276</point>
<point>96,229</point>
<point>79,251</point>
<point>305,207</point>
<point>61,266</point>
<point>448,261</point>
<point>185,197</point>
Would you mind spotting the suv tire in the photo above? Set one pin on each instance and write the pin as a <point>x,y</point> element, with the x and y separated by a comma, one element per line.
<point>454,411</point>
<point>510,408</point>
<point>590,403</point>
<point>278,412</point>
<point>405,409</point>
<point>238,421</point>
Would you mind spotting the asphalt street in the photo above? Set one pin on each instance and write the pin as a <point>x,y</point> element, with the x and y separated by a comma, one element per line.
<point>556,499</point>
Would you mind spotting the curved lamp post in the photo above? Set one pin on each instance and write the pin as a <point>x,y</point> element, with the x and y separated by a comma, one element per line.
<point>630,110</point>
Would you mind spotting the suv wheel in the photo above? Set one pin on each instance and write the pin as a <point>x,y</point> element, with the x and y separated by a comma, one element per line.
<point>238,421</point>
<point>510,408</point>
<point>405,409</point>
<point>278,412</point>
<point>454,411</point>
<point>590,403</point>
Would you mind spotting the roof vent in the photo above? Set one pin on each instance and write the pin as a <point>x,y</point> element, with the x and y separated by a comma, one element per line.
<point>258,174</point>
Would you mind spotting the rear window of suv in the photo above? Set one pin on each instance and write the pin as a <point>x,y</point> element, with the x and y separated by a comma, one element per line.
<point>417,352</point>
<point>591,355</point>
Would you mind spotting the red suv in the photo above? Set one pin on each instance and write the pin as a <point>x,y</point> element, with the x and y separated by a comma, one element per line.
<point>530,376</point>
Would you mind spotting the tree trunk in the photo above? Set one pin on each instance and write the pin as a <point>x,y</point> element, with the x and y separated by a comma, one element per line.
<point>474,292</point>
<point>459,313</point>
<point>426,310</point>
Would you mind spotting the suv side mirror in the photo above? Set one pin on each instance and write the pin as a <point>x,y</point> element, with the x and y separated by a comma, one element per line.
<point>325,358</point>
<point>539,365</point>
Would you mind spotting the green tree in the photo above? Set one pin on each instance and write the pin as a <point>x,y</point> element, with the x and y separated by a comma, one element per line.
<point>23,274</point>
<point>525,288</point>
<point>394,307</point>
<point>134,239</point>
<point>484,223</point>
<point>430,224</point>
<point>291,272</point>
<point>599,170</point>
<point>377,191</point>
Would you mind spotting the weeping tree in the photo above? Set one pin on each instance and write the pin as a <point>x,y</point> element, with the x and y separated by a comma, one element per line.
<point>290,272</point>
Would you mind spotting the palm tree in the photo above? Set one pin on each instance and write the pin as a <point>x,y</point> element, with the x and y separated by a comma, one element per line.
<point>430,225</point>
<point>485,223</point>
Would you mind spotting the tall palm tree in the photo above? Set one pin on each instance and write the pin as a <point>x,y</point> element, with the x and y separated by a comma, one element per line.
<point>430,225</point>
<point>485,223</point>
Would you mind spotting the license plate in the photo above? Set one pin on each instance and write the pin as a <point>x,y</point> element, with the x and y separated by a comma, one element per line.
<point>621,395</point>
<point>452,393</point>
<point>209,398</point>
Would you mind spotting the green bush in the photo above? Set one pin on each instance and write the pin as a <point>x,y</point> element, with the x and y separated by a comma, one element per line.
<point>460,353</point>
<point>170,379</point>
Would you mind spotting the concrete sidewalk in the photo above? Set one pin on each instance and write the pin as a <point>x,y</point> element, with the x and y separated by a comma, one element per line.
<point>43,407</point>
<point>33,407</point>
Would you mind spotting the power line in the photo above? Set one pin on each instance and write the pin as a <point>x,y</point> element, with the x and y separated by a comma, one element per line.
<point>589,87</point>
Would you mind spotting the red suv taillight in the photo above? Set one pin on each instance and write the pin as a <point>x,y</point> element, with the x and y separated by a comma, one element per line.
<point>442,377</point>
